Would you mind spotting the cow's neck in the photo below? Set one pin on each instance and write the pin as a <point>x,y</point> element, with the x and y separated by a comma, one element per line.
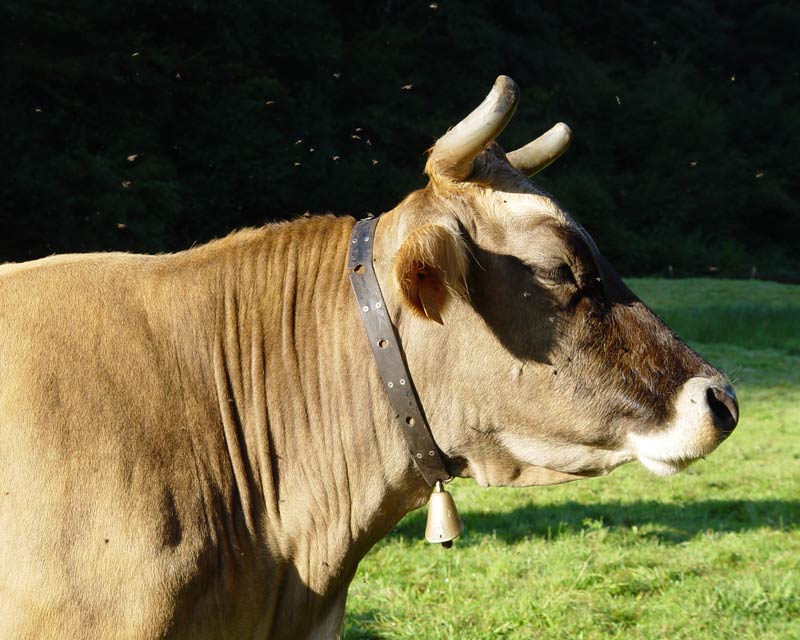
<point>322,471</point>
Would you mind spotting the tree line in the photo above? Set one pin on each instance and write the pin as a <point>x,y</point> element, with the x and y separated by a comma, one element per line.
<point>152,126</point>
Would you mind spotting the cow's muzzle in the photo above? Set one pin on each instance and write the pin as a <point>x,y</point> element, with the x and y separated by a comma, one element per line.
<point>705,413</point>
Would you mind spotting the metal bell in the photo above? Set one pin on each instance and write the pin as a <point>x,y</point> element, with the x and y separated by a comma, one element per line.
<point>444,524</point>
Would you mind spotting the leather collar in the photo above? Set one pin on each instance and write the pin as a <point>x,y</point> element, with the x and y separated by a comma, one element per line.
<point>389,356</point>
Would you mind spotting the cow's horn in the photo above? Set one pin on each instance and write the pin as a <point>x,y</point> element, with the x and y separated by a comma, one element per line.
<point>536,155</point>
<point>454,152</point>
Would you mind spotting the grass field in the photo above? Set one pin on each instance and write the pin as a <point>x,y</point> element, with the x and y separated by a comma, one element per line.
<point>711,553</point>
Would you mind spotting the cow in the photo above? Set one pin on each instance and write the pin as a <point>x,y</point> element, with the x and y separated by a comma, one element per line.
<point>199,445</point>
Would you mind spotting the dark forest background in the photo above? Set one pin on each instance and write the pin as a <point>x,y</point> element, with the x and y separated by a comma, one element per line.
<point>154,125</point>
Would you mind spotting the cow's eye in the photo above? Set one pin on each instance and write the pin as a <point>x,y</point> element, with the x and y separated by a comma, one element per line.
<point>560,275</point>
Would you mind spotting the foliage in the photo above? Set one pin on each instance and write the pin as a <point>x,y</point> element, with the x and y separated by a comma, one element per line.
<point>150,126</point>
<point>711,553</point>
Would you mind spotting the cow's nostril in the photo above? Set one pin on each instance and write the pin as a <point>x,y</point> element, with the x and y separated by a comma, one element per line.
<point>724,408</point>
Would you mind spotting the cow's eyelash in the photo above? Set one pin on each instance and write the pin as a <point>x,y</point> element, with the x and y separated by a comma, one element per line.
<point>561,274</point>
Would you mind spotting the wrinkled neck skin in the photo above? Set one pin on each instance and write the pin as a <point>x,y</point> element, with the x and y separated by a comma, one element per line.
<point>319,466</point>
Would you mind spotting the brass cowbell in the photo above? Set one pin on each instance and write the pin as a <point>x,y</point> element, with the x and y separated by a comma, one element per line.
<point>444,524</point>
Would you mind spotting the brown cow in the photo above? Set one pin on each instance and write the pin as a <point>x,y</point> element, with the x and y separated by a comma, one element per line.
<point>198,445</point>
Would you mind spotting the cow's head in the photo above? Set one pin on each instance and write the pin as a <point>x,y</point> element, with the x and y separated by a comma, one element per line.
<point>533,360</point>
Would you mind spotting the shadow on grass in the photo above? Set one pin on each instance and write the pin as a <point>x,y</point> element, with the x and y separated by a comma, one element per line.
<point>670,523</point>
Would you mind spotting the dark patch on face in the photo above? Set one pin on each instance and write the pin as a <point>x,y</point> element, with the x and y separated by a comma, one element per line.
<point>628,360</point>
<point>513,305</point>
<point>636,362</point>
<point>607,348</point>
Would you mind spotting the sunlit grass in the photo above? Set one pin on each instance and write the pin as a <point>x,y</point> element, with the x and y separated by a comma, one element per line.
<point>743,312</point>
<point>711,553</point>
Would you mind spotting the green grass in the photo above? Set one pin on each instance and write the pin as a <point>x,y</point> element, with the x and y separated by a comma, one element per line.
<point>711,553</point>
<point>743,312</point>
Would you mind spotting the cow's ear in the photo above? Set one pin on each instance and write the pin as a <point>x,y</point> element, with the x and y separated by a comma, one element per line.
<point>430,269</point>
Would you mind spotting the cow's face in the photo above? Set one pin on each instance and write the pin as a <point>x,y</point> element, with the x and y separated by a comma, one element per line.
<point>534,361</point>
